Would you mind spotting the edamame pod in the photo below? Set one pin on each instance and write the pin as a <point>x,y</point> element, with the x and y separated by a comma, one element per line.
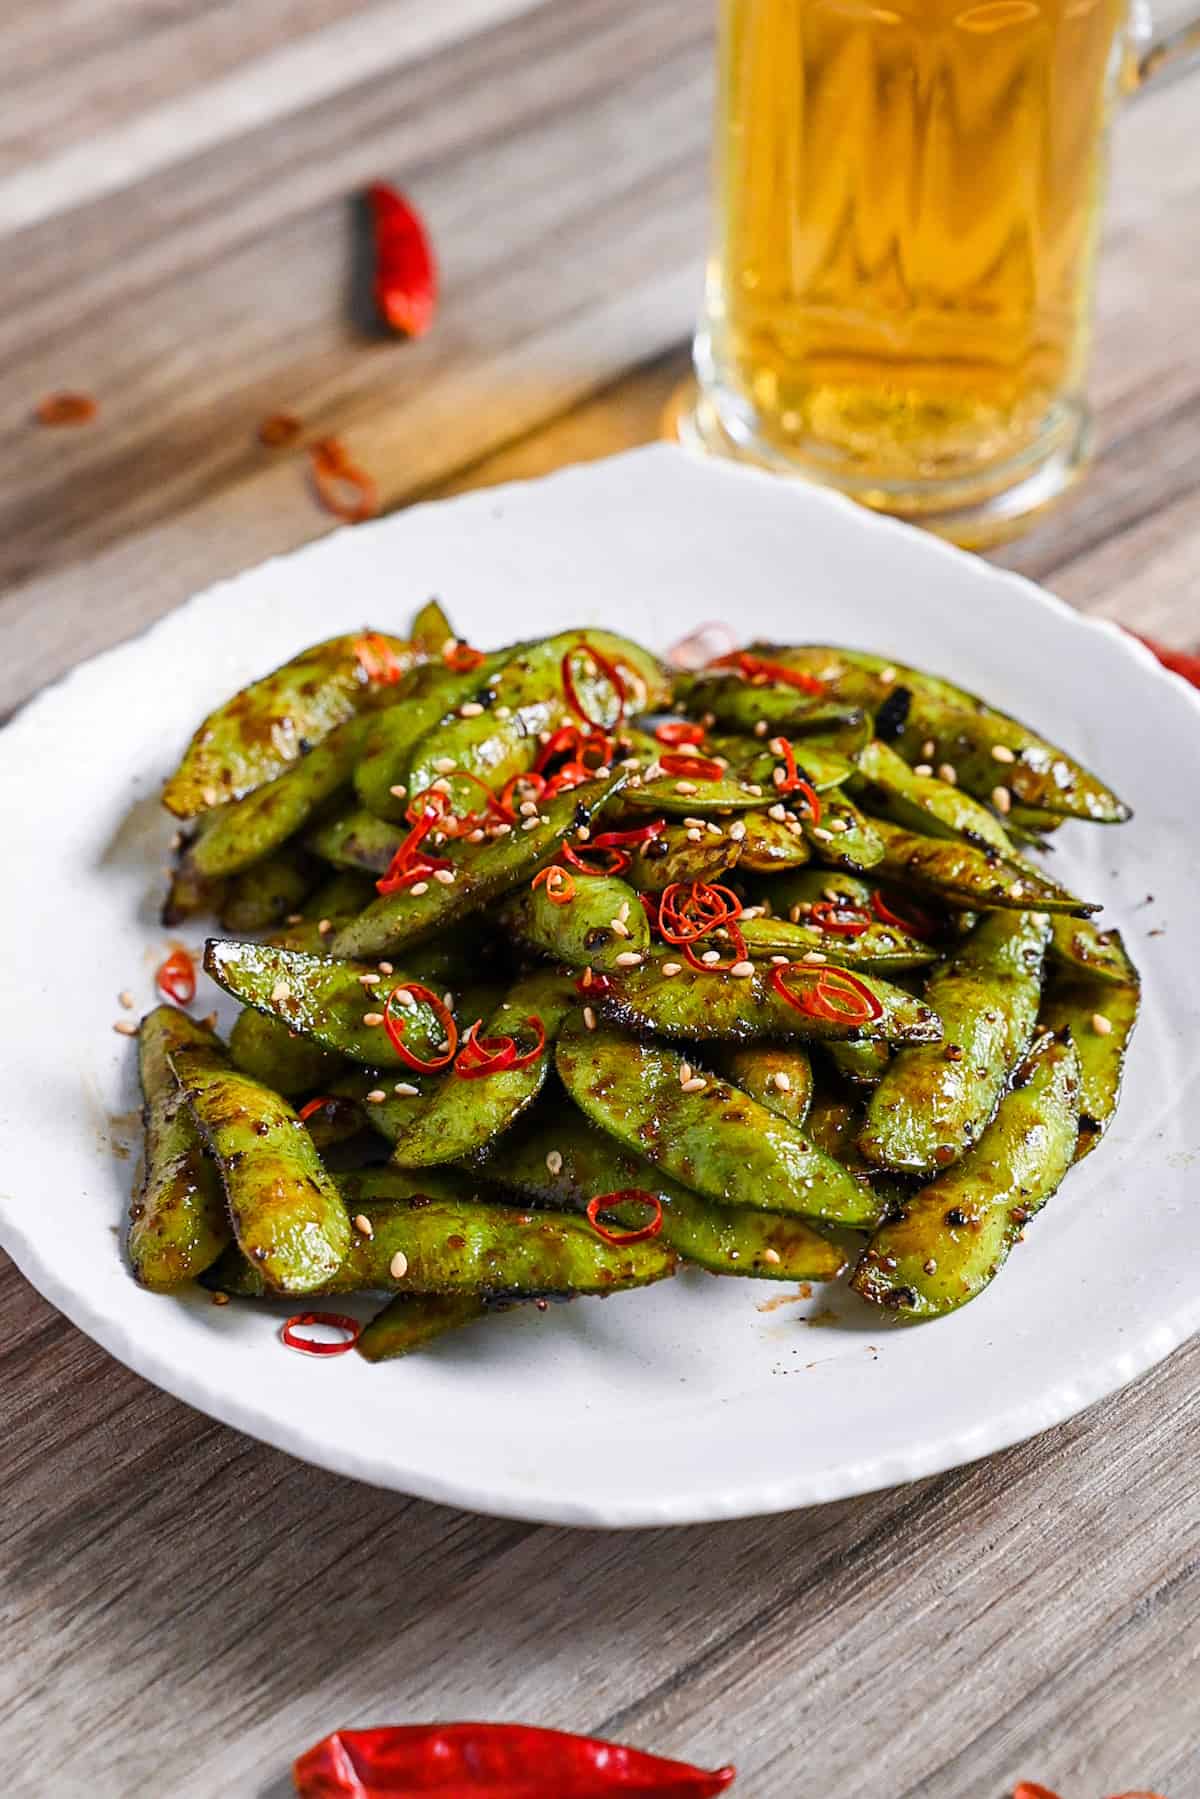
<point>714,1139</point>
<point>355,838</point>
<point>286,1213</point>
<point>961,875</point>
<point>880,948</point>
<point>740,705</point>
<point>933,1104</point>
<point>268,891</point>
<point>1079,949</point>
<point>702,851</point>
<point>411,1320</point>
<point>431,630</point>
<point>272,724</point>
<point>1100,1015</point>
<point>954,1235</point>
<point>179,1224</point>
<point>426,698</point>
<point>263,1046</point>
<point>779,1076</point>
<point>602,920</point>
<point>886,785</point>
<point>773,845</point>
<point>843,838</point>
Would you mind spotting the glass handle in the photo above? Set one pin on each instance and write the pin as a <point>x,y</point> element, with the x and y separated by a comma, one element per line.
<point>1149,54</point>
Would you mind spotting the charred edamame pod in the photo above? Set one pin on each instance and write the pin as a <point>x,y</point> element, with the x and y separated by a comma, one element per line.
<point>1100,1012</point>
<point>885,784</point>
<point>267,892</point>
<point>962,875</point>
<point>600,919</point>
<point>179,1224</point>
<point>411,1320</point>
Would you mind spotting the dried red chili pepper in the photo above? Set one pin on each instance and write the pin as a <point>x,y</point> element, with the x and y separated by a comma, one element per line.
<point>406,277</point>
<point>313,1345</point>
<point>66,409</point>
<point>394,1026</point>
<point>176,978</point>
<point>678,731</point>
<point>278,429</point>
<point>492,1761</point>
<point>342,486</point>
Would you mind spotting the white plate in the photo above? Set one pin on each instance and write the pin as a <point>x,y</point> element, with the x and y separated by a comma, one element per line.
<point>690,1401</point>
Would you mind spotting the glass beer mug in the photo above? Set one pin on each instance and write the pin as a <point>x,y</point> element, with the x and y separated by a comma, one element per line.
<point>907,203</point>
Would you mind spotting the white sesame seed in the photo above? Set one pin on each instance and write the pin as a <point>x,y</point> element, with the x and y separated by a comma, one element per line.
<point>631,762</point>
<point>470,709</point>
<point>778,812</point>
<point>501,830</point>
<point>503,711</point>
<point>398,791</point>
<point>782,1081</point>
<point>814,956</point>
<point>839,824</point>
<point>686,1072</point>
<point>220,1299</point>
<point>450,645</point>
<point>751,912</point>
<point>780,961</point>
<point>752,787</point>
<point>368,980</point>
<point>794,914</point>
<point>324,926</point>
<point>1002,799</point>
<point>126,1027</point>
<point>1002,753</point>
<point>742,970</point>
<point>529,824</point>
<point>772,1256</point>
<point>887,674</point>
<point>628,958</point>
<point>280,992</point>
<point>582,834</point>
<point>1101,1025</point>
<point>685,787</point>
<point>386,968</point>
<point>710,956</point>
<point>589,1018</point>
<point>822,834</point>
<point>779,776</point>
<point>405,1090</point>
<point>832,894</point>
<point>1017,889</point>
<point>923,768</point>
<point>544,737</point>
<point>418,888</point>
<point>444,765</point>
<point>737,831</point>
<point>528,808</point>
<point>694,833</point>
<point>372,1019</point>
<point>930,1266</point>
<point>403,997</point>
<point>623,910</point>
<point>929,749</point>
<point>445,877</point>
<point>948,773</point>
<point>398,1266</point>
<point>671,968</point>
<point>697,1084</point>
<point>376,1096</point>
<point>363,1225</point>
<point>294,918</point>
<point>619,926</point>
<point>761,728</point>
<point>712,829</point>
<point>125,998</point>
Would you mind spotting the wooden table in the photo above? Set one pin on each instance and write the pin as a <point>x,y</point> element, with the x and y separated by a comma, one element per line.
<point>185,1609</point>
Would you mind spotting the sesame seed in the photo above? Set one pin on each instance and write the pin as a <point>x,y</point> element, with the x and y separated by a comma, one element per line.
<point>948,773</point>
<point>405,1090</point>
<point>1017,889</point>
<point>544,737</point>
<point>470,709</point>
<point>528,808</point>
<point>685,787</point>
<point>710,956</point>
<point>737,831</point>
<point>398,791</point>
<point>554,1161</point>
<point>398,1266</point>
<point>887,674</point>
<point>502,830</point>
<point>751,912</point>
<point>761,728</point>
<point>780,961</point>
<point>372,1019</point>
<point>529,824</point>
<point>631,762</point>
<point>779,776</point>
<point>839,824</point>
<point>445,877</point>
<point>923,768</point>
<point>672,968</point>
<point>712,829</point>
<point>742,970</point>
<point>589,1018</point>
<point>1101,1025</point>
<point>623,910</point>
<point>503,711</point>
<point>697,1084</point>
<point>694,834</point>
<point>177,841</point>
<point>778,812</point>
<point>930,1266</point>
<point>822,834</point>
<point>125,1027</point>
<point>419,887</point>
<point>386,968</point>
<point>772,1256</point>
<point>368,980</point>
<point>1002,753</point>
<point>280,992</point>
<point>294,918</point>
<point>403,997</point>
<point>628,958</point>
<point>324,926</point>
<point>686,1072</point>
<point>794,914</point>
<point>813,955</point>
<point>363,1225</point>
<point>752,787</point>
<point>582,834</point>
<point>619,926</point>
<point>125,998</point>
<point>444,765</point>
<point>929,749</point>
<point>1002,799</point>
<point>376,1096</point>
<point>450,645</point>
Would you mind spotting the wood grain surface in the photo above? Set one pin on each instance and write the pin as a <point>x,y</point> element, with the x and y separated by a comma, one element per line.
<point>184,1609</point>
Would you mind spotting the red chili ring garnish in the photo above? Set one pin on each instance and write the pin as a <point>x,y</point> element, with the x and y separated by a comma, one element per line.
<point>620,840</point>
<point>692,768</point>
<point>376,658</point>
<point>919,925</point>
<point>176,978</point>
<point>406,867</point>
<point>618,860</point>
<point>66,409</point>
<point>608,1202</point>
<point>704,906</point>
<point>492,1055</point>
<point>559,885</point>
<point>841,920</point>
<point>508,802</point>
<point>754,668</point>
<point>611,674</point>
<point>809,795</point>
<point>335,1321</point>
<point>395,1027</point>
<point>342,486</point>
<point>823,999</point>
<point>460,657</point>
<point>678,731</point>
<point>315,1105</point>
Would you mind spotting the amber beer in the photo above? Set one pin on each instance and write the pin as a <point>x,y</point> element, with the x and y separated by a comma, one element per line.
<point>907,201</point>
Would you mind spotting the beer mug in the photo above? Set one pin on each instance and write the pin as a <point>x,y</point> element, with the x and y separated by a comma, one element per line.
<point>907,202</point>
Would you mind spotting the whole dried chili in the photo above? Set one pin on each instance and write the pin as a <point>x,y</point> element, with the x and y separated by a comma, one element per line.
<point>342,486</point>
<point>492,1761</point>
<point>406,278</point>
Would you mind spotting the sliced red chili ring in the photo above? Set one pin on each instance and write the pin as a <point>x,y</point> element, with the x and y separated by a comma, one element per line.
<point>376,658</point>
<point>678,731</point>
<point>809,795</point>
<point>754,668</point>
<point>406,867</point>
<point>530,786</point>
<point>342,486</point>
<point>691,768</point>
<point>460,657</point>
<point>617,860</point>
<point>608,1202</point>
<point>620,840</point>
<point>612,675</point>
<point>337,1321</point>
<point>176,978</point>
<point>491,1055</point>
<point>681,903</point>
<point>316,1105</point>
<point>915,924</point>
<point>571,774</point>
<point>559,885</point>
<point>394,1026</point>
<point>841,920</point>
<point>834,995</point>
